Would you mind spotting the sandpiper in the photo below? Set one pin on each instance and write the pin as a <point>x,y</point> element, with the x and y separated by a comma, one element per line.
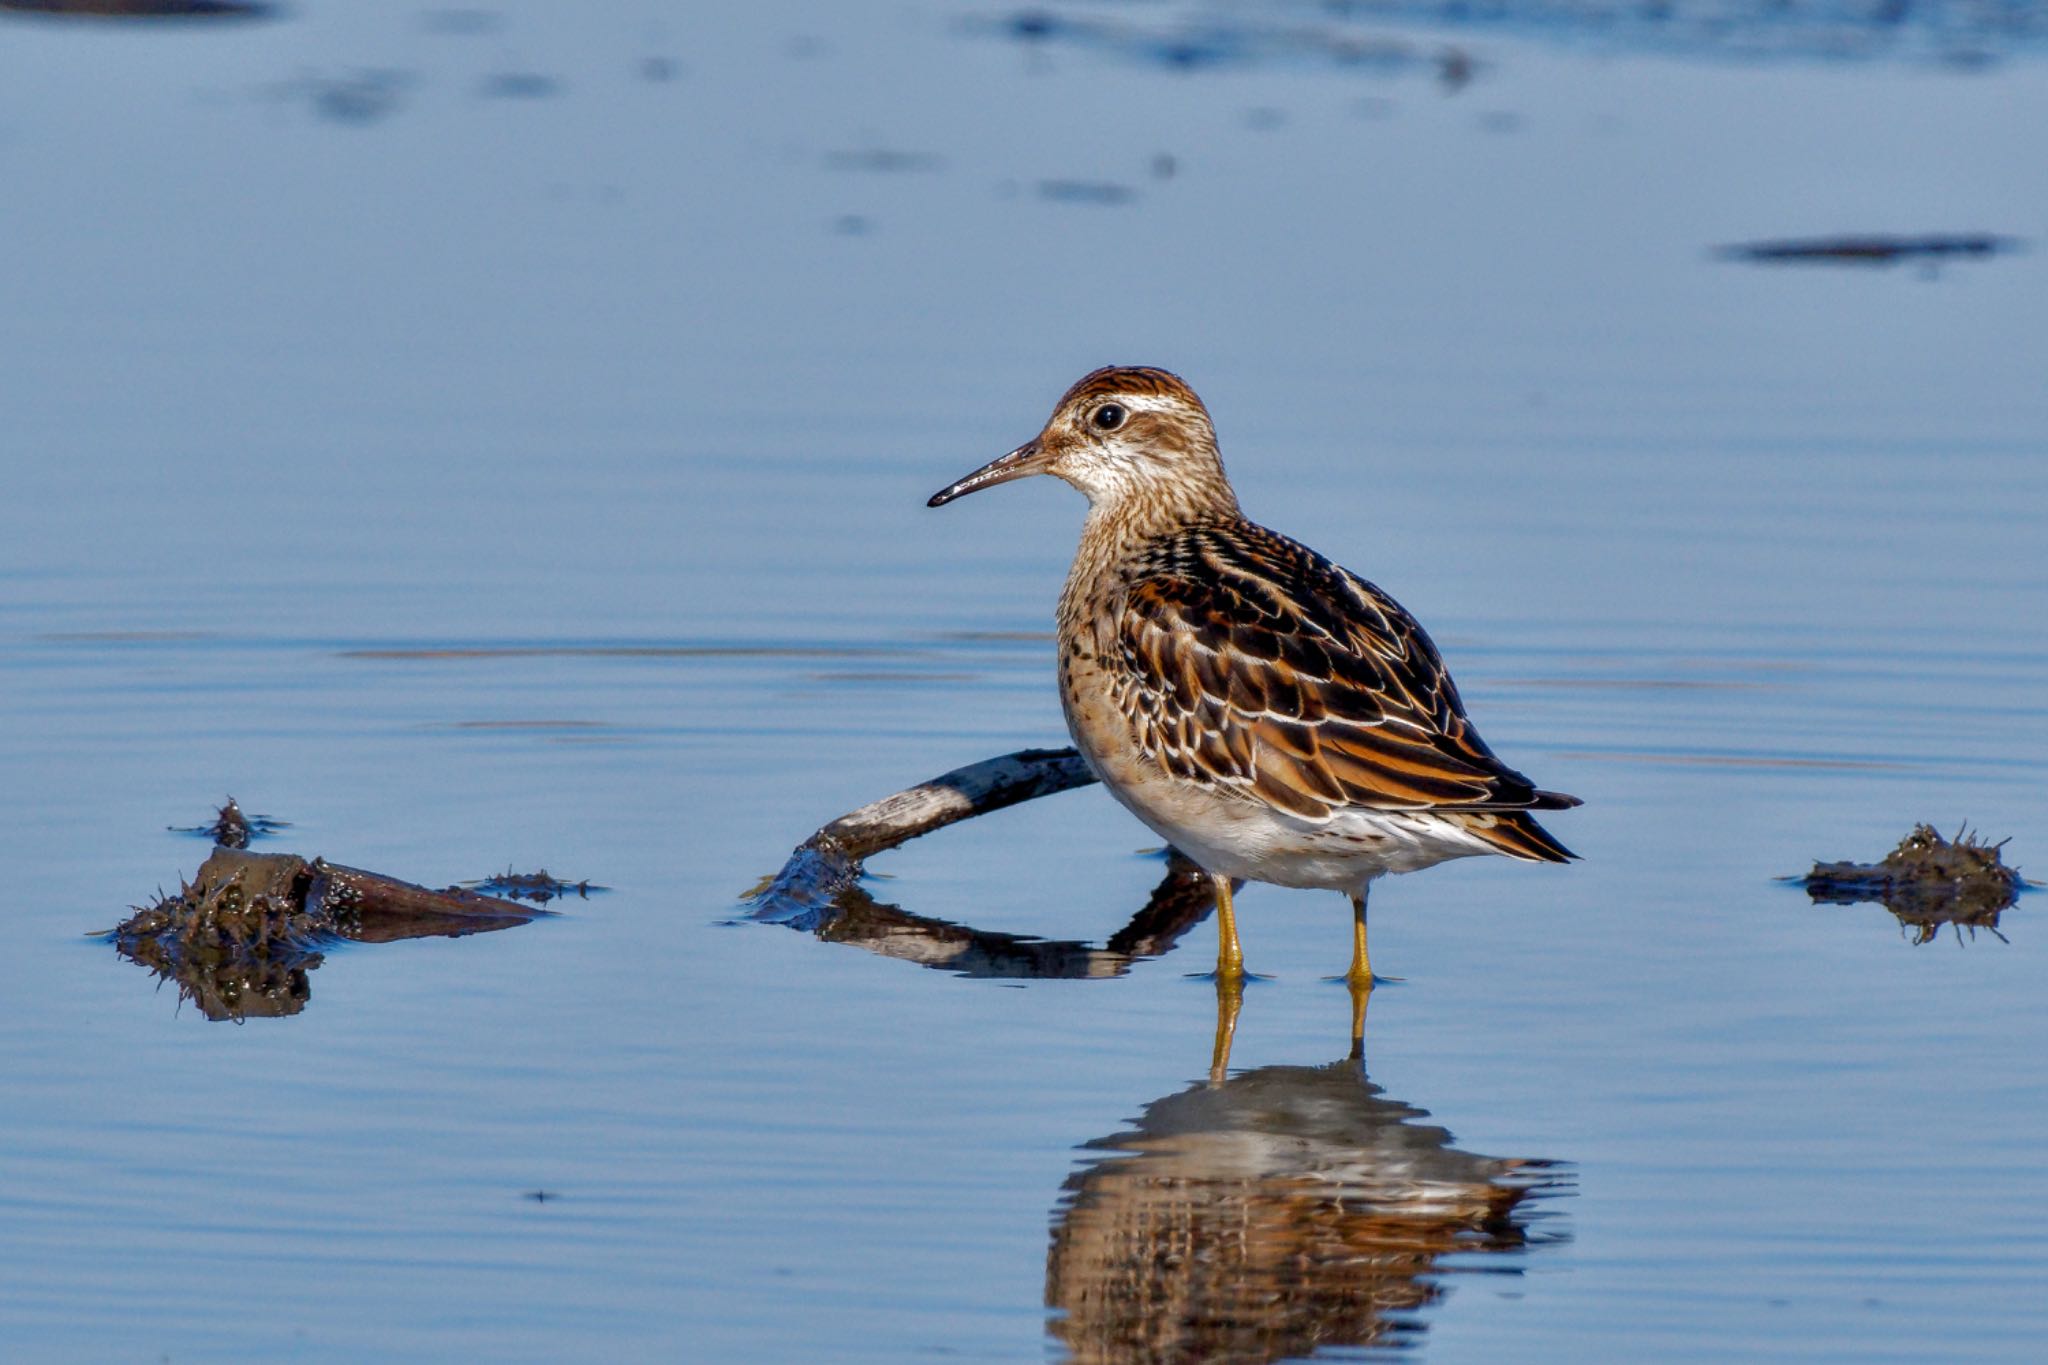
<point>1272,715</point>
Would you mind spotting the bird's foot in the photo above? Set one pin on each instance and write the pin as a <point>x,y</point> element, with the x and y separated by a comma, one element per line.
<point>1218,978</point>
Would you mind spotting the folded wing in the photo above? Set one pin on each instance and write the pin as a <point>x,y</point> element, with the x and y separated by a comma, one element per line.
<point>1250,661</point>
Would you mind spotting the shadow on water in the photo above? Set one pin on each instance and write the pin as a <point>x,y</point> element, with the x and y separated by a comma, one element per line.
<point>1275,1213</point>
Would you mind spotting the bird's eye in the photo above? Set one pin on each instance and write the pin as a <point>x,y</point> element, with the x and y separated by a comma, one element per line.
<point>1109,416</point>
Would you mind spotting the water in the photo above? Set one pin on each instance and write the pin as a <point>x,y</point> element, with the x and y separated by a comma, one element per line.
<point>492,442</point>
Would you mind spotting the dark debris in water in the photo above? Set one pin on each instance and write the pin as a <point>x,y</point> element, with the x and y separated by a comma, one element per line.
<point>1872,249</point>
<point>1927,881</point>
<point>519,85</point>
<point>144,9</point>
<point>1098,192</point>
<point>883,161</point>
<point>462,23</point>
<point>233,829</point>
<point>538,887</point>
<point>240,938</point>
<point>1353,34</point>
<point>358,97</point>
<point>1959,33</point>
<point>1202,39</point>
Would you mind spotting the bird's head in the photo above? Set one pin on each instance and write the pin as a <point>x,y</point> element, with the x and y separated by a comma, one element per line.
<point>1128,437</point>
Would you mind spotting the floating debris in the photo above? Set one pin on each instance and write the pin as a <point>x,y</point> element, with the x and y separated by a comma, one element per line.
<point>1185,35</point>
<point>356,97</point>
<point>519,85</point>
<point>461,23</point>
<point>1927,881</point>
<point>1103,192</point>
<point>883,161</point>
<point>1930,249</point>
<point>232,829</point>
<point>143,9</point>
<point>1455,69</point>
<point>538,887</point>
<point>1202,40</point>
<point>240,938</point>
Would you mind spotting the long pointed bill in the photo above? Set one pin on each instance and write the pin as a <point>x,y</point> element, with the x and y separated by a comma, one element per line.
<point>1025,460</point>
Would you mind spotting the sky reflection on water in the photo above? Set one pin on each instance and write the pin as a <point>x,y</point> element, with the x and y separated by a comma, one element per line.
<point>487,445</point>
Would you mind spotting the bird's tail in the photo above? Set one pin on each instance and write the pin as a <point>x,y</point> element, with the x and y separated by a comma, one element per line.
<point>1516,834</point>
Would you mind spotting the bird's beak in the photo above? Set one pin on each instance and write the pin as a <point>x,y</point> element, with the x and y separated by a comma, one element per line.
<point>1025,460</point>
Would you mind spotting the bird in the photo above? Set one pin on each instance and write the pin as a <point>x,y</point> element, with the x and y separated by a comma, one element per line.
<point>1270,714</point>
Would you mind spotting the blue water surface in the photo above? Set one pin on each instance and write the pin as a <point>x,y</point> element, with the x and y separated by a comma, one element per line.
<point>493,438</point>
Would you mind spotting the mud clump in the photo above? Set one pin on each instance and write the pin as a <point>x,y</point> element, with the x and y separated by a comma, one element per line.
<point>1927,881</point>
<point>241,936</point>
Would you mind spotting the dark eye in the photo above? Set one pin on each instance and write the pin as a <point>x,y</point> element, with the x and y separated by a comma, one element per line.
<point>1109,416</point>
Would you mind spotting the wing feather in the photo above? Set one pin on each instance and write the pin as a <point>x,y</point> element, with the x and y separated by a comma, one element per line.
<point>1251,661</point>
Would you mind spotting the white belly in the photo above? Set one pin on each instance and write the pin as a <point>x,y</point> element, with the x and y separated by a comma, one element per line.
<point>1240,837</point>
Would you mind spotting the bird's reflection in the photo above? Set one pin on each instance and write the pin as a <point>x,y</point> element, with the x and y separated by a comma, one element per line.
<point>1272,1213</point>
<point>1248,1218</point>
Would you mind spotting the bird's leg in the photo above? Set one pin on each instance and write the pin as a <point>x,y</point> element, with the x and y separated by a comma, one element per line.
<point>1361,996</point>
<point>1229,997</point>
<point>1229,957</point>
<point>1360,975</point>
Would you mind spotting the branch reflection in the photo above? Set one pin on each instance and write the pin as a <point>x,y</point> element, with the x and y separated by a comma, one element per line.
<point>820,894</point>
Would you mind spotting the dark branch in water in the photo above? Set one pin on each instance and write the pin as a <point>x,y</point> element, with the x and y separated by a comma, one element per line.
<point>145,9</point>
<point>819,889</point>
<point>1873,249</point>
<point>973,790</point>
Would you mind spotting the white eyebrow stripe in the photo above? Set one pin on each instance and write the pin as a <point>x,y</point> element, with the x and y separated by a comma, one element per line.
<point>1145,402</point>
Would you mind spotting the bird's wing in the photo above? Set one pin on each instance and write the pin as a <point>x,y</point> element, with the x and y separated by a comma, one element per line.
<point>1248,660</point>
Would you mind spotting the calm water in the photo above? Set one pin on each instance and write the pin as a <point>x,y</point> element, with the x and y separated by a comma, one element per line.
<point>492,438</point>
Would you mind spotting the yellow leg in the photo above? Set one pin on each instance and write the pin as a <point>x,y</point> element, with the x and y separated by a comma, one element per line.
<point>1360,975</point>
<point>1361,996</point>
<point>1229,956</point>
<point>1229,998</point>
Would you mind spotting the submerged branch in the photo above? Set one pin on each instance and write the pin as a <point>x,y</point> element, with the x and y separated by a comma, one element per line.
<point>958,795</point>
<point>818,890</point>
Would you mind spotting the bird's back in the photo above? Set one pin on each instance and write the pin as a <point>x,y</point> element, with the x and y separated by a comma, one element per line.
<point>1235,661</point>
